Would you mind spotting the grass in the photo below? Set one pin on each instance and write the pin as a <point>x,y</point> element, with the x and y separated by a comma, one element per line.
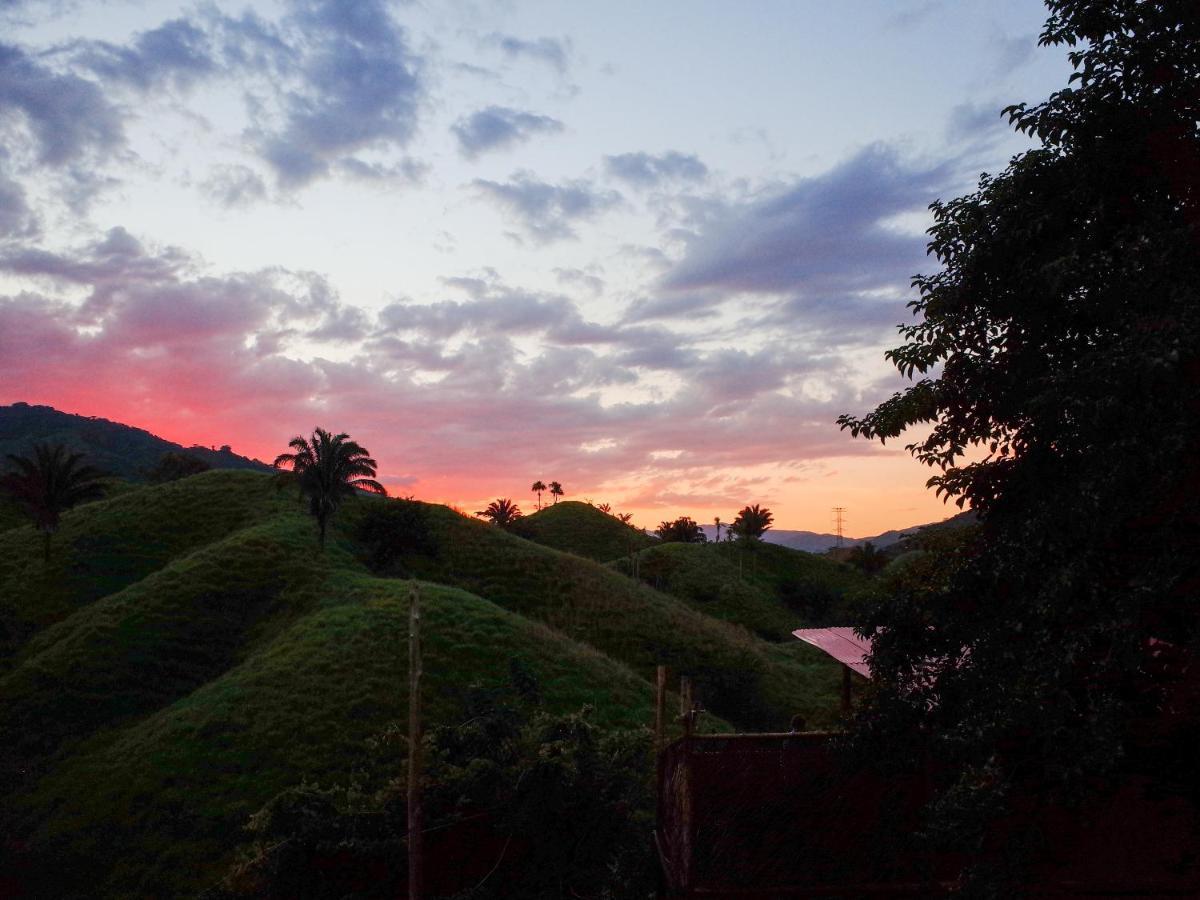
<point>768,589</point>
<point>580,528</point>
<point>187,654</point>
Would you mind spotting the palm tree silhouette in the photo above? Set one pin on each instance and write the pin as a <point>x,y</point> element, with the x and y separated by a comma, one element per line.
<point>48,485</point>
<point>502,512</point>
<point>328,469</point>
<point>717,522</point>
<point>556,491</point>
<point>538,486</point>
<point>753,521</point>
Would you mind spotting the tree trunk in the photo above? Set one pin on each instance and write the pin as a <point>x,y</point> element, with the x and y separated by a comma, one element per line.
<point>321,520</point>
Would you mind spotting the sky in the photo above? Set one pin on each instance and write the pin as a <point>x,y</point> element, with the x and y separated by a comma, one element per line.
<point>649,250</point>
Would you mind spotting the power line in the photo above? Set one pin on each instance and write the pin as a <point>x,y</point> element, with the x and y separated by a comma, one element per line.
<point>839,513</point>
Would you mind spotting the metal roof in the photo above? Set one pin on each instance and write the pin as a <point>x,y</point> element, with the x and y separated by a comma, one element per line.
<point>842,644</point>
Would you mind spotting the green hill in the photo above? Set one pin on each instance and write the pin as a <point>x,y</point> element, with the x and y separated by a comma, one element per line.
<point>187,654</point>
<point>114,448</point>
<point>580,528</point>
<point>767,588</point>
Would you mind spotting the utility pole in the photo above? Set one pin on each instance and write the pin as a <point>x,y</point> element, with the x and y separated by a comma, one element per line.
<point>839,521</point>
<point>415,823</point>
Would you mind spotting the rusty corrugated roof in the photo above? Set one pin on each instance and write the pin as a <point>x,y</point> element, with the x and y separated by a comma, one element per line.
<point>842,644</point>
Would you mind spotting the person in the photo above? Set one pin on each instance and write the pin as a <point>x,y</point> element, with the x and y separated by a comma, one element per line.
<point>799,724</point>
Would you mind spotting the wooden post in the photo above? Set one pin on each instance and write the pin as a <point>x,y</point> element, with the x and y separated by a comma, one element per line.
<point>845,690</point>
<point>415,823</point>
<point>685,704</point>
<point>660,709</point>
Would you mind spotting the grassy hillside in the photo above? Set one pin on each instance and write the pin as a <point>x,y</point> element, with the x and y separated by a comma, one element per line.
<point>767,588</point>
<point>105,546</point>
<point>741,677</point>
<point>187,653</point>
<point>582,529</point>
<point>144,725</point>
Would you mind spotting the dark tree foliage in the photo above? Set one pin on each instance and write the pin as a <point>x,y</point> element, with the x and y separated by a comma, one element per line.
<point>49,483</point>
<point>391,531</point>
<point>328,469</point>
<point>502,512</point>
<point>867,558</point>
<point>683,530</point>
<point>172,466</point>
<point>524,803</point>
<point>1057,353</point>
<point>752,522</point>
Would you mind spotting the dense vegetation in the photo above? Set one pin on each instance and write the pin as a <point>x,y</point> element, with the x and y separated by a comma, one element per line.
<point>1058,347</point>
<point>186,655</point>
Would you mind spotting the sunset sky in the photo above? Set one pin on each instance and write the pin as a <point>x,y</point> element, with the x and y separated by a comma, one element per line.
<point>650,250</point>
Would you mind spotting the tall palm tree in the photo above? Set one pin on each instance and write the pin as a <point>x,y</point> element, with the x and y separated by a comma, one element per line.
<point>538,486</point>
<point>328,469</point>
<point>717,522</point>
<point>48,485</point>
<point>502,512</point>
<point>556,491</point>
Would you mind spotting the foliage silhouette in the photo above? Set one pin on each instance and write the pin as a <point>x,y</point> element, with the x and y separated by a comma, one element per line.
<point>1056,352</point>
<point>502,512</point>
<point>49,483</point>
<point>537,487</point>
<point>556,490</point>
<point>172,466</point>
<point>328,468</point>
<point>683,530</point>
<point>752,522</point>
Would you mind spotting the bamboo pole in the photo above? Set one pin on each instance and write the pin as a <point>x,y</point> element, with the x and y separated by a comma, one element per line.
<point>415,822</point>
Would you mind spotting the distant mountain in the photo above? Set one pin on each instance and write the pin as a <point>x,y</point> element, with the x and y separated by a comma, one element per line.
<point>110,446</point>
<point>816,542</point>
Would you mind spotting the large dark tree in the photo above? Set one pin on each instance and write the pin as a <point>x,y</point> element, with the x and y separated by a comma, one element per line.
<point>49,483</point>
<point>328,468</point>
<point>1057,358</point>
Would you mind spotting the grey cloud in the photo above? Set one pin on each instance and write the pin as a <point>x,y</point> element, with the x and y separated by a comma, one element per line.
<point>645,170</point>
<point>17,219</point>
<point>975,121</point>
<point>234,186</point>
<point>177,53</point>
<point>824,233</point>
<point>68,116</point>
<point>495,127</point>
<point>361,88</point>
<point>552,51</point>
<point>546,211</point>
<point>591,282</point>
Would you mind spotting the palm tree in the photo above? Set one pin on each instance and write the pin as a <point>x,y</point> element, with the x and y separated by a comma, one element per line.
<point>717,522</point>
<point>328,468</point>
<point>502,512</point>
<point>625,517</point>
<point>605,508</point>
<point>556,491</point>
<point>48,485</point>
<point>538,486</point>
<point>753,521</point>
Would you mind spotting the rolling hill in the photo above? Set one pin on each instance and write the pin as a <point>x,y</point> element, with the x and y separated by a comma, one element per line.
<point>110,446</point>
<point>187,653</point>
<point>581,528</point>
